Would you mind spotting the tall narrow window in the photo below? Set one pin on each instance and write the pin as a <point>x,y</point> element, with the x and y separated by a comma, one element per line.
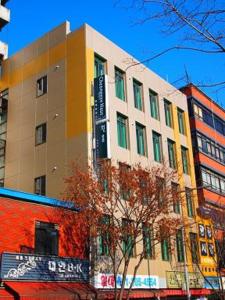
<point>122,131</point>
<point>165,249</point>
<point>176,197</point>
<point>184,154</point>
<point>154,105</point>
<point>120,84</point>
<point>99,66</point>
<point>42,86</point>
<point>138,96</point>
<point>194,247</point>
<point>180,116</point>
<point>103,237</point>
<point>189,200</point>
<point>180,246</point>
<point>168,113</point>
<point>157,145</point>
<point>124,188</point>
<point>128,238</point>
<point>148,241</point>
<point>141,139</point>
<point>40,134</point>
<point>40,185</point>
<point>46,238</point>
<point>171,154</point>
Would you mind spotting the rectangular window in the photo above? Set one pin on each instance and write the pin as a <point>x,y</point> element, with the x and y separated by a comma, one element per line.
<point>172,153</point>
<point>148,246</point>
<point>141,139</point>
<point>120,84</point>
<point>176,197</point>
<point>128,238</point>
<point>46,238</point>
<point>168,113</point>
<point>165,249</point>
<point>99,66</point>
<point>197,111</point>
<point>40,185</point>
<point>189,201</point>
<point>194,247</point>
<point>138,96</point>
<point>157,146</point>
<point>103,238</point>
<point>180,246</point>
<point>154,105</point>
<point>40,134</point>
<point>185,160</point>
<point>124,189</point>
<point>42,86</point>
<point>122,131</point>
<point>180,116</point>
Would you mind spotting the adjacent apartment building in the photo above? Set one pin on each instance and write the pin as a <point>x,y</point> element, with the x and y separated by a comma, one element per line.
<point>77,96</point>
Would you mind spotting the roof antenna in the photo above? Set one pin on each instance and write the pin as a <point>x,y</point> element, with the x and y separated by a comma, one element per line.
<point>187,78</point>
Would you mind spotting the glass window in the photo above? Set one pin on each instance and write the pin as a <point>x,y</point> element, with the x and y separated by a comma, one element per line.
<point>124,190</point>
<point>156,138</point>
<point>40,134</point>
<point>194,247</point>
<point>165,249</point>
<point>148,241</point>
<point>103,238</point>
<point>184,154</point>
<point>141,139</point>
<point>120,84</point>
<point>99,66</point>
<point>128,238</point>
<point>168,113</point>
<point>42,86</point>
<point>189,201</point>
<point>138,101</point>
<point>40,185</point>
<point>122,131</point>
<point>46,238</point>
<point>176,197</point>
<point>180,116</point>
<point>171,153</point>
<point>180,246</point>
<point>154,105</point>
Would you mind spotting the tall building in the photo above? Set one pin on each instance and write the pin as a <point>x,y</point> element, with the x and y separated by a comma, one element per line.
<point>75,96</point>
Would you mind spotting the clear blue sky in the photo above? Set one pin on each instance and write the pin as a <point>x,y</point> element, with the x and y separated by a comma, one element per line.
<point>31,19</point>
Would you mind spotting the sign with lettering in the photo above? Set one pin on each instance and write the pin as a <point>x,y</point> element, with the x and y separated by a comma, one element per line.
<point>212,283</point>
<point>101,140</point>
<point>18,266</point>
<point>177,280</point>
<point>100,98</point>
<point>104,281</point>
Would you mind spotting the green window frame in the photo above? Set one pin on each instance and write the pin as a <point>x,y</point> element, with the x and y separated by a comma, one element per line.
<point>165,249</point>
<point>189,201</point>
<point>99,66</point>
<point>168,113</point>
<point>141,139</point>
<point>185,160</point>
<point>138,95</point>
<point>122,131</point>
<point>128,243</point>
<point>180,116</point>
<point>180,246</point>
<point>103,237</point>
<point>157,146</point>
<point>172,153</point>
<point>154,104</point>
<point>176,197</point>
<point>120,84</point>
<point>148,237</point>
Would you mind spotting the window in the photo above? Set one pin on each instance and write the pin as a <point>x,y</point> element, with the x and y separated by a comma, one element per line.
<point>180,116</point>
<point>168,113</point>
<point>197,111</point>
<point>141,139</point>
<point>165,249</point>
<point>122,131</point>
<point>156,139</point>
<point>128,238</point>
<point>189,201</point>
<point>40,134</point>
<point>213,180</point>
<point>180,246</point>
<point>99,68</point>
<point>160,185</point>
<point>194,247</point>
<point>176,197</point>
<point>40,185</point>
<point>120,84</point>
<point>124,190</point>
<point>42,86</point>
<point>46,238</point>
<point>171,153</point>
<point>154,105</point>
<point>184,155</point>
<point>148,246</point>
<point>138,101</point>
<point>103,238</point>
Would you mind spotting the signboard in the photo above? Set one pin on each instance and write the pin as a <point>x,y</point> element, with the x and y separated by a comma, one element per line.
<point>177,280</point>
<point>212,283</point>
<point>106,281</point>
<point>100,98</point>
<point>101,140</point>
<point>17,266</point>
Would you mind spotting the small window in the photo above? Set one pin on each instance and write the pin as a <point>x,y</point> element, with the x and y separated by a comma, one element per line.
<point>103,237</point>
<point>128,238</point>
<point>46,238</point>
<point>180,116</point>
<point>42,86</point>
<point>154,104</point>
<point>180,246</point>
<point>148,246</point>
<point>141,139</point>
<point>122,131</point>
<point>40,185</point>
<point>157,146</point>
<point>172,153</point>
<point>99,66</point>
<point>165,249</point>
<point>124,188</point>
<point>120,84</point>
<point>168,113</point>
<point>138,95</point>
<point>185,160</point>
<point>40,134</point>
<point>194,247</point>
<point>189,201</point>
<point>176,197</point>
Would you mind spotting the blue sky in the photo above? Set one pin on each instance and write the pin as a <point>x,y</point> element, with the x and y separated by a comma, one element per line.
<point>31,19</point>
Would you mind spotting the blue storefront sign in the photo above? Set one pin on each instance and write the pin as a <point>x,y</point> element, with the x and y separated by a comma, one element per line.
<point>212,283</point>
<point>32,267</point>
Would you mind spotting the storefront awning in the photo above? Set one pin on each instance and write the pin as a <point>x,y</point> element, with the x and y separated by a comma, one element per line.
<point>51,290</point>
<point>5,295</point>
